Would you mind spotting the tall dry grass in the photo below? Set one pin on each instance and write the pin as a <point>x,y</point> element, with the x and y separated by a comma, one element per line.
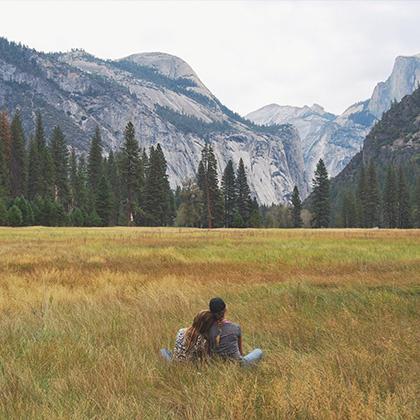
<point>83,313</point>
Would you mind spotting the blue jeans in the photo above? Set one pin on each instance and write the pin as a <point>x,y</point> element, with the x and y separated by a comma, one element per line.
<point>166,354</point>
<point>252,357</point>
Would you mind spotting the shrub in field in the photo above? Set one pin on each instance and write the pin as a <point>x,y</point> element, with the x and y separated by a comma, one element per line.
<point>14,216</point>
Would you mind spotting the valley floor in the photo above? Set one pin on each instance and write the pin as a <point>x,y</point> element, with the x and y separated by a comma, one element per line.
<point>83,313</point>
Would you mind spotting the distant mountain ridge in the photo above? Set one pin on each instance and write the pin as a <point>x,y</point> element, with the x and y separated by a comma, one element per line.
<point>165,100</point>
<point>337,138</point>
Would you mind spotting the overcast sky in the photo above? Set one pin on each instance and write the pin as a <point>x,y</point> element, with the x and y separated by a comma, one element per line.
<point>248,53</point>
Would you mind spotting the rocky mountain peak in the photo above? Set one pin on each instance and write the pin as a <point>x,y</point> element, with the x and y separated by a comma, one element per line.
<point>403,80</point>
<point>334,138</point>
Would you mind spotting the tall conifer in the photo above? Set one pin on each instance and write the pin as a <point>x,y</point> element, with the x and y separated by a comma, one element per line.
<point>229,194</point>
<point>417,202</point>
<point>129,170</point>
<point>296,208</point>
<point>321,197</point>
<point>404,207</point>
<point>60,158</point>
<point>18,157</point>
<point>208,183</point>
<point>5,157</point>
<point>361,196</point>
<point>243,199</point>
<point>390,199</point>
<point>103,203</point>
<point>371,204</point>
<point>95,160</point>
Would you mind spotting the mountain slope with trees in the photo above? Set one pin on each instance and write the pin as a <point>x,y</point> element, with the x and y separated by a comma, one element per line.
<point>381,184</point>
<point>167,104</point>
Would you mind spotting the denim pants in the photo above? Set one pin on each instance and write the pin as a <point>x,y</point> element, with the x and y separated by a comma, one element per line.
<point>166,354</point>
<point>252,357</point>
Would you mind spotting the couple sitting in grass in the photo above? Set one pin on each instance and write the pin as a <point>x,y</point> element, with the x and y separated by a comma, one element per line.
<point>211,335</point>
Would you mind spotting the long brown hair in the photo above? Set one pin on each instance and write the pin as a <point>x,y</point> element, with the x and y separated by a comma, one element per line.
<point>200,326</point>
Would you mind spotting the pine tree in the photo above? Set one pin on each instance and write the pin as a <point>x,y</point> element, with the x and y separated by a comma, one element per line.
<point>3,213</point>
<point>48,174</point>
<point>14,216</point>
<point>95,161</point>
<point>6,153</point>
<point>103,201</point>
<point>81,192</point>
<point>4,175</point>
<point>6,136</point>
<point>296,209</point>
<point>190,207</point>
<point>34,170</point>
<point>157,194</point>
<point>26,210</point>
<point>114,182</point>
<point>321,197</point>
<point>417,202</point>
<point>348,210</point>
<point>60,158</point>
<point>404,208</point>
<point>390,199</point>
<point>41,167</point>
<point>73,178</point>
<point>243,200</point>
<point>77,218</point>
<point>229,194</point>
<point>255,216</point>
<point>17,158</point>
<point>372,198</point>
<point>129,170</point>
<point>44,175</point>
<point>92,219</point>
<point>209,186</point>
<point>362,196</point>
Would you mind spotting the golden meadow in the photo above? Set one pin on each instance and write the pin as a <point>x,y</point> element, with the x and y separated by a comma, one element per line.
<point>83,313</point>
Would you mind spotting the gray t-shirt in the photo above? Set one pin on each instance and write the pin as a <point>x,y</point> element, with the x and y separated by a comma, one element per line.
<point>228,347</point>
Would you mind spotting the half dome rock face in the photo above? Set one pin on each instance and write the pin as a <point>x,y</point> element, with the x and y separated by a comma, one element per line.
<point>337,138</point>
<point>165,100</point>
<point>403,80</point>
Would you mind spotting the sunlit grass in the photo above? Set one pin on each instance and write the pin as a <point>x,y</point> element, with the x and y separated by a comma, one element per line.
<point>85,311</point>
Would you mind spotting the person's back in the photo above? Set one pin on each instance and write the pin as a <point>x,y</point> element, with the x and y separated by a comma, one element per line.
<point>191,344</point>
<point>224,338</point>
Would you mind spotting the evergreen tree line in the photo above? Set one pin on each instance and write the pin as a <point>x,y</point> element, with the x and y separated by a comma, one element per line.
<point>42,182</point>
<point>202,202</point>
<point>371,203</point>
<point>388,204</point>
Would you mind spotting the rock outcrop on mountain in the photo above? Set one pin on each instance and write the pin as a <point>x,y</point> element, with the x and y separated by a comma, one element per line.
<point>165,100</point>
<point>337,138</point>
<point>394,140</point>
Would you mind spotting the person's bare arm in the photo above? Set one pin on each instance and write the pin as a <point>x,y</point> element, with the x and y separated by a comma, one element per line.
<point>240,345</point>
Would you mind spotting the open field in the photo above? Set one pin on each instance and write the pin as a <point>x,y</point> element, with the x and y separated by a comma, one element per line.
<point>83,313</point>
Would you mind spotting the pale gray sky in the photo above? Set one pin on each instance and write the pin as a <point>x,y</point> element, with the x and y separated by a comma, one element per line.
<point>248,53</point>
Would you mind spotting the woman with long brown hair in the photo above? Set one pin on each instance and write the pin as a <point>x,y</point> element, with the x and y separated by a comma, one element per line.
<point>191,343</point>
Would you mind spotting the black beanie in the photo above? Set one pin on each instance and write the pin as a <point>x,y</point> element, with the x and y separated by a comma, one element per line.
<point>216,305</point>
